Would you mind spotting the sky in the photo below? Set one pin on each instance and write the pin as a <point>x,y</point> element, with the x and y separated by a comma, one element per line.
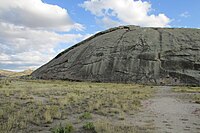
<point>32,32</point>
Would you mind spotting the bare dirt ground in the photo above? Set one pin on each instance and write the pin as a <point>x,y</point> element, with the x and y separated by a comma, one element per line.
<point>168,112</point>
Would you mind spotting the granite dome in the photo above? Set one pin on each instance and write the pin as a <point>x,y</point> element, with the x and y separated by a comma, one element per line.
<point>130,54</point>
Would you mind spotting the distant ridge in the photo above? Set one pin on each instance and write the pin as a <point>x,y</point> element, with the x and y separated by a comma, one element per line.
<point>6,73</point>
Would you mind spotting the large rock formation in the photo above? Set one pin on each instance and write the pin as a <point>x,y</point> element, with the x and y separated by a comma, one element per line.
<point>130,54</point>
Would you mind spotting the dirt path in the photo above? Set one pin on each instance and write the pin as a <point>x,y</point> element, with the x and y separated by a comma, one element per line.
<point>168,113</point>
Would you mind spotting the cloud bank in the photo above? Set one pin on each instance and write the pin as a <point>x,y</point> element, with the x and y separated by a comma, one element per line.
<point>115,12</point>
<point>28,32</point>
<point>36,14</point>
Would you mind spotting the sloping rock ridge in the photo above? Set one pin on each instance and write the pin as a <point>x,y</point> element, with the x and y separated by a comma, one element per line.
<point>160,56</point>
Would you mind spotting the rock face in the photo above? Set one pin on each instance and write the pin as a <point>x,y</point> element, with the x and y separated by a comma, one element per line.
<point>130,54</point>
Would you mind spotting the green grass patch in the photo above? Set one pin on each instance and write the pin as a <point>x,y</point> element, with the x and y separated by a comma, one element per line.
<point>88,126</point>
<point>68,128</point>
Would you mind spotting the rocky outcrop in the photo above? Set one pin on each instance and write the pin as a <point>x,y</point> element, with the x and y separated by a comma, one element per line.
<point>130,54</point>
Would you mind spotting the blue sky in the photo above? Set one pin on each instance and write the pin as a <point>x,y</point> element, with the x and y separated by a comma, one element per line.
<point>172,8</point>
<point>32,32</point>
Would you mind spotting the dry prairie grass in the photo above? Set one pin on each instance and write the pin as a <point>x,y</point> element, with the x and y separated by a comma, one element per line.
<point>191,93</point>
<point>38,105</point>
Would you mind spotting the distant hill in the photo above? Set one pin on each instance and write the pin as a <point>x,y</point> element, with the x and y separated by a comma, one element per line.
<point>6,73</point>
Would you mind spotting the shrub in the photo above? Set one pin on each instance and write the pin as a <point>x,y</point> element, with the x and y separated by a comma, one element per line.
<point>67,129</point>
<point>47,116</point>
<point>89,126</point>
<point>52,112</point>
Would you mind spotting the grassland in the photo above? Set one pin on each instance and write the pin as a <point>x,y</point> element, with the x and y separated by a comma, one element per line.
<point>15,74</point>
<point>58,106</point>
<point>191,93</point>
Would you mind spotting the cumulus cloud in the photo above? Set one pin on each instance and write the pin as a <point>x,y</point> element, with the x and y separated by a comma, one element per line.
<point>23,38</point>
<point>23,45</point>
<point>29,33</point>
<point>36,14</point>
<point>125,12</point>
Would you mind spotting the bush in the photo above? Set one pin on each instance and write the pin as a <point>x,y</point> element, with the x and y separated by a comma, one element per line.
<point>89,126</point>
<point>67,129</point>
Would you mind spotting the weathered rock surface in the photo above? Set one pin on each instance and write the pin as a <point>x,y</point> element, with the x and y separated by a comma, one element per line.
<point>130,54</point>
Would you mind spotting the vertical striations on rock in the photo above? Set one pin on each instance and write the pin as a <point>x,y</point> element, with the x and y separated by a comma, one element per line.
<point>165,56</point>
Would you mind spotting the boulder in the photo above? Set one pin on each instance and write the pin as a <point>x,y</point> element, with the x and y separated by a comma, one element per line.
<point>130,54</point>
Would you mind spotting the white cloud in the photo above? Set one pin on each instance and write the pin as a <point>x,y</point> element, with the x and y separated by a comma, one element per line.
<point>126,12</point>
<point>185,14</point>
<point>36,14</point>
<point>28,33</point>
<point>23,46</point>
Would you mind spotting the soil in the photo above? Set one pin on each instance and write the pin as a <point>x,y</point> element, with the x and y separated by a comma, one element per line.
<point>168,112</point>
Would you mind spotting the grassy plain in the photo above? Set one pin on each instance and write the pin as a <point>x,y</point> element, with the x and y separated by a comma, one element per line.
<point>7,73</point>
<point>63,106</point>
<point>191,93</point>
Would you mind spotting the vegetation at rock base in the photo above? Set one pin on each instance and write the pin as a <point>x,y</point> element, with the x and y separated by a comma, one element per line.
<point>192,93</point>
